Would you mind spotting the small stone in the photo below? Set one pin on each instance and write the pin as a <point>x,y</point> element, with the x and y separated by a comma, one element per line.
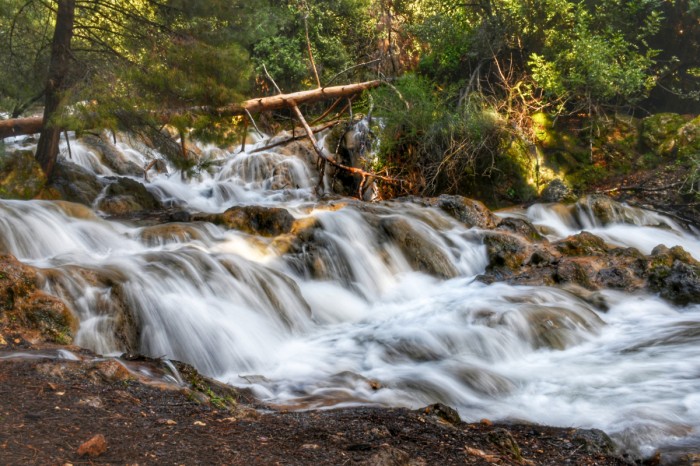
<point>94,447</point>
<point>199,423</point>
<point>167,422</point>
<point>310,446</point>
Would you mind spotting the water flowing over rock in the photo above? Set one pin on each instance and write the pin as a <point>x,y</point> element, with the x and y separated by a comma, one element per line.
<point>124,196</point>
<point>75,183</point>
<point>555,314</point>
<point>258,220</point>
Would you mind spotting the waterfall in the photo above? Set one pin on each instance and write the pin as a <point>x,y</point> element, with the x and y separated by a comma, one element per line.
<point>365,303</point>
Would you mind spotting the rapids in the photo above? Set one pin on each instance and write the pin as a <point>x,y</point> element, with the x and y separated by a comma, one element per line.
<point>349,318</point>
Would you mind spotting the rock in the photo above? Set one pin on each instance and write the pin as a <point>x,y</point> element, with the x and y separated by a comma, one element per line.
<point>679,283</point>
<point>521,227</point>
<point>506,250</point>
<point>569,271</point>
<point>170,233</point>
<point>617,278</point>
<point>594,298</point>
<point>468,211</point>
<point>420,252</point>
<point>111,155</point>
<point>557,191</point>
<point>660,131</point>
<point>21,176</point>
<point>444,412</point>
<point>594,442</point>
<point>257,220</point>
<point>76,184</point>
<point>26,309</point>
<point>124,196</point>
<point>94,447</point>
<point>582,244</point>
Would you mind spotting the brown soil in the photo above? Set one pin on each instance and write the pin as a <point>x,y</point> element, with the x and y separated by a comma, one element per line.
<point>51,406</point>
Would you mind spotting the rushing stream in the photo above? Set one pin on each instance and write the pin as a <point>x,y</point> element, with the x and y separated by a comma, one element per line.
<point>347,319</point>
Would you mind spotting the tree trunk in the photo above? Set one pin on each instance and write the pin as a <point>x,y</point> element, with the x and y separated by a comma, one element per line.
<point>47,148</point>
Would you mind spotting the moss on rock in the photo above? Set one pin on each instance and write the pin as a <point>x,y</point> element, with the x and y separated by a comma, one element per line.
<point>21,176</point>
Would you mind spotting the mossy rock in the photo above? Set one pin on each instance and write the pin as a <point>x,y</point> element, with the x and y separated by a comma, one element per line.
<point>50,317</point>
<point>506,250</point>
<point>557,191</point>
<point>660,133</point>
<point>679,283</point>
<point>21,176</point>
<point>256,220</point>
<point>689,138</point>
<point>420,252</point>
<point>582,244</point>
<point>76,184</point>
<point>126,196</point>
<point>29,311</point>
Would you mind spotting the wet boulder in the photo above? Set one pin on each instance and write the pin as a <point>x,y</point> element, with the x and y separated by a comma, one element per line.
<point>76,184</point>
<point>675,275</point>
<point>255,220</point>
<point>506,250</point>
<point>125,196</point>
<point>419,250</point>
<point>28,311</point>
<point>170,233</point>
<point>468,211</point>
<point>21,176</point>
<point>521,227</point>
<point>111,156</point>
<point>582,244</point>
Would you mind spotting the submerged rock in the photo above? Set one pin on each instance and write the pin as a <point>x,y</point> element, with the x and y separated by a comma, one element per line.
<point>421,253</point>
<point>111,156</point>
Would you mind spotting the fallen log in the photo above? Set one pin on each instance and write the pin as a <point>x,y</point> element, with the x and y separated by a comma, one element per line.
<point>23,126</point>
<point>20,126</point>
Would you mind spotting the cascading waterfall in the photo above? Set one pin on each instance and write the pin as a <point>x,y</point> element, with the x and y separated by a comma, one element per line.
<point>343,312</point>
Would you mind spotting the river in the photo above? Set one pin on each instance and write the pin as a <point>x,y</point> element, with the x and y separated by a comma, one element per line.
<point>347,319</point>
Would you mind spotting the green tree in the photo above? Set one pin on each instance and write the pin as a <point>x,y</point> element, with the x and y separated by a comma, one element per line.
<point>133,60</point>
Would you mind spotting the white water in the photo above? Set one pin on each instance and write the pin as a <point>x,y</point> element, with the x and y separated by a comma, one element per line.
<point>346,319</point>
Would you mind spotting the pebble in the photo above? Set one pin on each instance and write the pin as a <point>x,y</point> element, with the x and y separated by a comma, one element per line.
<point>93,447</point>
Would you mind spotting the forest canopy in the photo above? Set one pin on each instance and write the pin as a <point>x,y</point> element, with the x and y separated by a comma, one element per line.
<point>463,79</point>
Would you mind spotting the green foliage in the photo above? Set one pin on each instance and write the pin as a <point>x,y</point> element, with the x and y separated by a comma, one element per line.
<point>25,36</point>
<point>597,58</point>
<point>568,52</point>
<point>443,148</point>
<point>341,33</point>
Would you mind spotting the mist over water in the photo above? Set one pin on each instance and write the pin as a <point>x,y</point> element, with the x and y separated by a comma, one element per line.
<point>348,318</point>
